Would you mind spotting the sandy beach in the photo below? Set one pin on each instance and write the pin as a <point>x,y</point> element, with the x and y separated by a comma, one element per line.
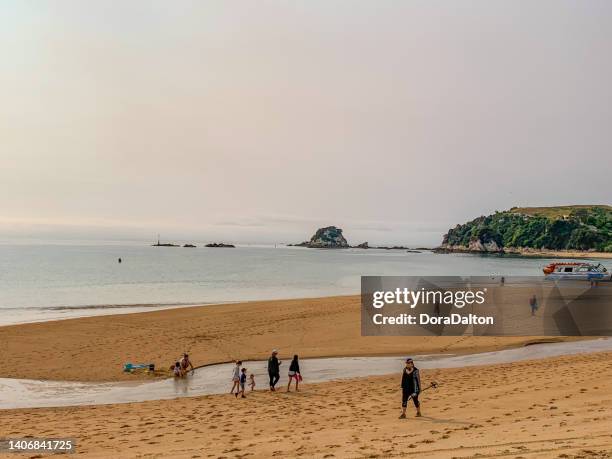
<point>536,409</point>
<point>387,202</point>
<point>556,407</point>
<point>95,348</point>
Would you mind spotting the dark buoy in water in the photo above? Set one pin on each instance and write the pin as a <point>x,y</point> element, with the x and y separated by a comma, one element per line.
<point>119,260</point>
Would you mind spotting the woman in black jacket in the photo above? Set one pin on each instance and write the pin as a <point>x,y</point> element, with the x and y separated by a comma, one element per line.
<point>294,373</point>
<point>411,386</point>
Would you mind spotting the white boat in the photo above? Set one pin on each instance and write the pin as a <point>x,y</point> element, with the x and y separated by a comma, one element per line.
<point>577,270</point>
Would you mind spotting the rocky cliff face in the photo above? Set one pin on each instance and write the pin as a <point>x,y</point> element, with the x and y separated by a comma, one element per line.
<point>329,237</point>
<point>475,245</point>
<point>482,246</point>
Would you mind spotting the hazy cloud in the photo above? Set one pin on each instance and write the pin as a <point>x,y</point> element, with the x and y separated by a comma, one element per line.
<point>259,121</point>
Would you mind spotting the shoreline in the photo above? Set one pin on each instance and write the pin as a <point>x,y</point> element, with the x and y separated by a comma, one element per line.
<point>527,253</point>
<point>43,306</point>
<point>95,348</point>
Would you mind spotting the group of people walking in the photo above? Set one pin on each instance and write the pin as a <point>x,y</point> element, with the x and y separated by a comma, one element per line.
<point>239,376</point>
<point>239,379</point>
<point>410,383</point>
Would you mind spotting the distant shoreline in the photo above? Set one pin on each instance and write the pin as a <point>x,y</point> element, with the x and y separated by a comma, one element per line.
<point>529,253</point>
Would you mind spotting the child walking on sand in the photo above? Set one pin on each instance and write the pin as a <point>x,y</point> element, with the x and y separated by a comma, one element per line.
<point>252,381</point>
<point>243,378</point>
<point>236,378</point>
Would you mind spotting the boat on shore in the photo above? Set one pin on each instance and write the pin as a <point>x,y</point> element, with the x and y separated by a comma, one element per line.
<point>577,271</point>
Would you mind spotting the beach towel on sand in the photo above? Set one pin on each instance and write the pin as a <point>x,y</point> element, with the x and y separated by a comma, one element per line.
<point>138,366</point>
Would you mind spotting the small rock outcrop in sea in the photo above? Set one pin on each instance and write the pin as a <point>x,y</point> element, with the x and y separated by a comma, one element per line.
<point>189,245</point>
<point>329,237</point>
<point>300,244</point>
<point>220,244</point>
<point>363,245</point>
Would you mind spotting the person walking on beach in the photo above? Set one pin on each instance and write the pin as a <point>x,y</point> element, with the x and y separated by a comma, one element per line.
<point>252,382</point>
<point>533,304</point>
<point>274,369</point>
<point>411,386</point>
<point>294,373</point>
<point>242,380</point>
<point>236,378</point>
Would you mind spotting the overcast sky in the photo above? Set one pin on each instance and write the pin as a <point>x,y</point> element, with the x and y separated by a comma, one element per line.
<point>259,121</point>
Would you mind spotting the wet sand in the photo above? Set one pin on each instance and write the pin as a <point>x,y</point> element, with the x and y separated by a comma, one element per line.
<point>557,407</point>
<point>95,348</point>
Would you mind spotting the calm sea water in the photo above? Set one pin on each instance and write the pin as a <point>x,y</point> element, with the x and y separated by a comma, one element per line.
<point>44,282</point>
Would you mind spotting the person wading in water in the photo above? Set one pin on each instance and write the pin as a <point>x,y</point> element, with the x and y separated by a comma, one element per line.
<point>411,386</point>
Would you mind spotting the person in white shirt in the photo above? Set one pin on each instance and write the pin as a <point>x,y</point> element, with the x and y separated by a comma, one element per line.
<point>236,377</point>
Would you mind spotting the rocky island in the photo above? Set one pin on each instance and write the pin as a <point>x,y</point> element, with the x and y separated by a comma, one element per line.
<point>329,237</point>
<point>580,230</point>
<point>220,245</point>
<point>164,244</point>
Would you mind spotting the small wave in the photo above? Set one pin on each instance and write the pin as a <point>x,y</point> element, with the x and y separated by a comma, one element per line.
<point>117,306</point>
<point>107,306</point>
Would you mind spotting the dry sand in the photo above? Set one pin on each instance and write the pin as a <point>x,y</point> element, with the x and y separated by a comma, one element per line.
<point>557,407</point>
<point>95,348</point>
<point>553,408</point>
